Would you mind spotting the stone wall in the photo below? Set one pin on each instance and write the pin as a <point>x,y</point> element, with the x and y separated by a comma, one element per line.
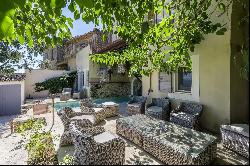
<point>109,90</point>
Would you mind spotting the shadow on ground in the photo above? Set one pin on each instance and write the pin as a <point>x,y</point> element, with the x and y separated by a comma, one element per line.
<point>134,155</point>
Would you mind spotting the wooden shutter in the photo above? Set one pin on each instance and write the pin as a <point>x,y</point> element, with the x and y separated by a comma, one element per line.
<point>165,82</point>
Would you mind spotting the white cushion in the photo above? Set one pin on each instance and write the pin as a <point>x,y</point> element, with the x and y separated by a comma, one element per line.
<point>154,109</point>
<point>104,137</point>
<point>134,105</point>
<point>98,109</point>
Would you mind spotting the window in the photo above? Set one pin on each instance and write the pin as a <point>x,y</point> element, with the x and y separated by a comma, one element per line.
<point>184,82</point>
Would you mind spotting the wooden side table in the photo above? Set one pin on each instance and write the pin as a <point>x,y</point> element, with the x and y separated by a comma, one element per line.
<point>40,108</point>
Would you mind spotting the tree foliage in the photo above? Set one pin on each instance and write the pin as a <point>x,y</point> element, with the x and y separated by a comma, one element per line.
<point>16,56</point>
<point>164,46</point>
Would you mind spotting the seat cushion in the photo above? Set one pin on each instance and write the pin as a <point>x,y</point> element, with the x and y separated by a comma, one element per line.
<point>183,116</point>
<point>104,137</point>
<point>134,105</point>
<point>98,109</point>
<point>238,128</point>
<point>91,118</point>
<point>154,109</point>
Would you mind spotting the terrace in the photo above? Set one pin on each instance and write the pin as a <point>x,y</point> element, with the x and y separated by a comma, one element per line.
<point>13,143</point>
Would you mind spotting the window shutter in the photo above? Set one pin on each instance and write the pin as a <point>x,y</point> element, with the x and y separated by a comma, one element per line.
<point>165,82</point>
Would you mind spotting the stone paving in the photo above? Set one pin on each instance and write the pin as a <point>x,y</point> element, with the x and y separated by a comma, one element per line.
<point>13,152</point>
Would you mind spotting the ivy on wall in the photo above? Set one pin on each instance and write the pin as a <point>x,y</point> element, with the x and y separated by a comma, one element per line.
<point>109,90</point>
<point>56,84</point>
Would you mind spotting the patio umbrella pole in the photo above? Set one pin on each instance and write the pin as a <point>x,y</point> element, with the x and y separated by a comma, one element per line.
<point>53,114</point>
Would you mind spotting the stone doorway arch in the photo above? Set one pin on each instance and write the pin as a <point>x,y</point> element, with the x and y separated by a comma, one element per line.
<point>136,87</point>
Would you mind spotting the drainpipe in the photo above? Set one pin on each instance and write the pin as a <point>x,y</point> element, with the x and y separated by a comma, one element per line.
<point>150,81</point>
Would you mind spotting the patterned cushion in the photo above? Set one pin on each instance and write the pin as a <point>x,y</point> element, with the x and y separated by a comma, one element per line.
<point>90,118</point>
<point>155,109</point>
<point>191,107</point>
<point>183,116</point>
<point>238,128</point>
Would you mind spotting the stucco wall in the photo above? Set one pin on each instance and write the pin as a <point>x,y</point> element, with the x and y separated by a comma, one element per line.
<point>82,59</point>
<point>72,64</point>
<point>215,80</point>
<point>22,88</point>
<point>193,96</point>
<point>39,75</point>
<point>93,67</point>
<point>210,80</point>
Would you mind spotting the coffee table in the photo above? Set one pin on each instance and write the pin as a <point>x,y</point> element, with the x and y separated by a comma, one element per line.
<point>170,143</point>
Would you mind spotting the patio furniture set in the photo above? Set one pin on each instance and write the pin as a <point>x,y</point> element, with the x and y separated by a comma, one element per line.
<point>68,94</point>
<point>93,145</point>
<point>187,114</point>
<point>172,144</point>
<point>170,136</point>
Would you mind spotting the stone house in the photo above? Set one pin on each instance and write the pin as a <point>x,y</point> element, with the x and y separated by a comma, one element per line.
<point>75,55</point>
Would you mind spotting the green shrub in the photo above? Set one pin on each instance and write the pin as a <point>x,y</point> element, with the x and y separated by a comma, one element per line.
<point>40,145</point>
<point>34,124</point>
<point>67,160</point>
<point>41,149</point>
<point>56,84</point>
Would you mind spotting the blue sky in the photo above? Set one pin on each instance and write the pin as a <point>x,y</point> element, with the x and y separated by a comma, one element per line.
<point>79,28</point>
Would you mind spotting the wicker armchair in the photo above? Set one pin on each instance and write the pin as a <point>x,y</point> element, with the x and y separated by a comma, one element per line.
<point>158,108</point>
<point>94,146</point>
<point>137,105</point>
<point>236,138</point>
<point>67,115</point>
<point>66,94</point>
<point>187,114</point>
<point>88,108</point>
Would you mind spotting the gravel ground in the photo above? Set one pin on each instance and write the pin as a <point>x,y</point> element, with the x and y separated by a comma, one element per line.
<point>12,150</point>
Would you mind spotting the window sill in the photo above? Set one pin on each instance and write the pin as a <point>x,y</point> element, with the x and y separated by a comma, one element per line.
<point>183,92</point>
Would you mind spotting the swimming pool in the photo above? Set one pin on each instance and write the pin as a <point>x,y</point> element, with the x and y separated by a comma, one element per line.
<point>76,104</point>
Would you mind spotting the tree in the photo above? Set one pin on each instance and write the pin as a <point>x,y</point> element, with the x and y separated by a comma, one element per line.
<point>16,56</point>
<point>9,57</point>
<point>185,24</point>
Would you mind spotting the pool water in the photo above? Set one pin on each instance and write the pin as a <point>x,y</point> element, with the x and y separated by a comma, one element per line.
<point>117,100</point>
<point>76,104</point>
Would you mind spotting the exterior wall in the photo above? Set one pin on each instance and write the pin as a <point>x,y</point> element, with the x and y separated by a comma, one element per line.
<point>72,64</point>
<point>93,68</point>
<point>193,96</point>
<point>38,75</point>
<point>210,80</point>
<point>215,80</point>
<point>22,88</point>
<point>82,59</point>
